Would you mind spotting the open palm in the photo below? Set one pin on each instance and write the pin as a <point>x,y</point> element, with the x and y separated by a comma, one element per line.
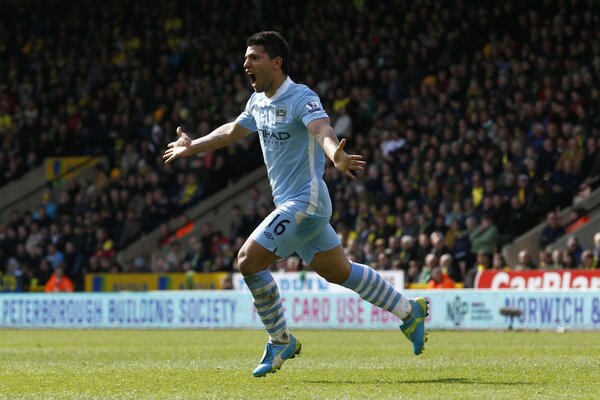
<point>345,162</point>
<point>179,148</point>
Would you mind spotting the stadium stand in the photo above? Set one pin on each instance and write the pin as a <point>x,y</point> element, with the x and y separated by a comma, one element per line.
<point>477,121</point>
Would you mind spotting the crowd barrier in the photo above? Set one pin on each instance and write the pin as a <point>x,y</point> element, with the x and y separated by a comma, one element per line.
<point>146,282</point>
<point>455,309</point>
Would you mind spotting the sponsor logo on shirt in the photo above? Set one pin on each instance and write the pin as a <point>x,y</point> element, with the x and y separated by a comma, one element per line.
<point>312,106</point>
<point>269,137</point>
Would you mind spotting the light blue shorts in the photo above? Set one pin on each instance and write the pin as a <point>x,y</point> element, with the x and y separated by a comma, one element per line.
<point>284,232</point>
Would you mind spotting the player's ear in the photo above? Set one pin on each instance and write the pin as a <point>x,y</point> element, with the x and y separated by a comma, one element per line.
<point>277,61</point>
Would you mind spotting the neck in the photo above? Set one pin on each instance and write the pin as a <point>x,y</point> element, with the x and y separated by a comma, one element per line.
<point>276,84</point>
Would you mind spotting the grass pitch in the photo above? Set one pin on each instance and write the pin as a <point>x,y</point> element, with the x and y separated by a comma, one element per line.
<point>342,365</point>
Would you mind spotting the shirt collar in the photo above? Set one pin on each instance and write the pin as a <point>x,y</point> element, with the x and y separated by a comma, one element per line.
<point>281,89</point>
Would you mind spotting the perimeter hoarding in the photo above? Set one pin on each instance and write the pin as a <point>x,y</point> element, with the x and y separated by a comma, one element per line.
<point>456,309</point>
<point>543,279</point>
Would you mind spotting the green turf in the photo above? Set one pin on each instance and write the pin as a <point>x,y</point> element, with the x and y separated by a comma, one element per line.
<point>358,365</point>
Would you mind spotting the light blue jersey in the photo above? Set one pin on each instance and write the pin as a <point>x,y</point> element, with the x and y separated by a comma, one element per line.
<point>294,160</point>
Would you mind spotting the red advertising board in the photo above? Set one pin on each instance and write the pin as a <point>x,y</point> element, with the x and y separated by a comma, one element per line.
<point>560,279</point>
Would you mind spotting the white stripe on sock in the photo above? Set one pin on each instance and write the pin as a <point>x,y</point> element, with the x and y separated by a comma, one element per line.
<point>388,305</point>
<point>377,289</point>
<point>271,315</point>
<point>363,280</point>
<point>258,291</point>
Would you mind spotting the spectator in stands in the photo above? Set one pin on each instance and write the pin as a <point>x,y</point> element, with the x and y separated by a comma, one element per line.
<point>588,260</point>
<point>546,261</point>
<point>438,245</point>
<point>73,264</point>
<point>431,262</point>
<point>423,247</point>
<point>440,280</point>
<point>236,222</point>
<point>384,263</point>
<point>525,261</point>
<point>59,282</point>
<point>499,262</point>
<point>413,274</point>
<point>409,251</point>
<point>518,221</point>
<point>462,245</point>
<point>197,256</point>
<point>54,257</point>
<point>552,230</point>
<point>558,261</point>
<point>482,263</point>
<point>543,200</point>
<point>175,256</point>
<point>485,236</point>
<point>568,260</point>
<point>597,244</point>
<point>574,251</point>
<point>394,248</point>
<point>450,268</point>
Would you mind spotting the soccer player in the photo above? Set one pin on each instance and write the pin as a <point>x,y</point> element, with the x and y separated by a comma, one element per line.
<point>295,135</point>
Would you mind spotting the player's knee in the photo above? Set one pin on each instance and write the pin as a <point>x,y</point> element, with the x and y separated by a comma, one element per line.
<point>243,262</point>
<point>246,263</point>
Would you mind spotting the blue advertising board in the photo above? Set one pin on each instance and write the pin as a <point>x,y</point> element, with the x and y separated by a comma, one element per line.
<point>450,309</point>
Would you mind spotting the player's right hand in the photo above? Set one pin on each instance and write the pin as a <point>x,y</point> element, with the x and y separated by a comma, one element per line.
<point>180,148</point>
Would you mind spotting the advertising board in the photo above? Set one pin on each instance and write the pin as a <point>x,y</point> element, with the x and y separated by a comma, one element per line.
<point>457,309</point>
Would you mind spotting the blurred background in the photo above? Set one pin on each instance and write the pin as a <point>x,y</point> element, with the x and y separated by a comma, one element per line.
<point>479,122</point>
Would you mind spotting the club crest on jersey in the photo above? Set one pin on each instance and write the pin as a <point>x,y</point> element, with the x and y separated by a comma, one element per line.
<point>280,114</point>
<point>312,106</point>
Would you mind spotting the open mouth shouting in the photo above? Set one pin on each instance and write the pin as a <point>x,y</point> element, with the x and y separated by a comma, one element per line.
<point>252,78</point>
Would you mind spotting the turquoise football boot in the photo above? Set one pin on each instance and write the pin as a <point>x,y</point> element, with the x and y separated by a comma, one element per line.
<point>414,327</point>
<point>275,355</point>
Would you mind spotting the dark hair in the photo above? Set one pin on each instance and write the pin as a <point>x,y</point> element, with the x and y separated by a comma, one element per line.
<point>274,44</point>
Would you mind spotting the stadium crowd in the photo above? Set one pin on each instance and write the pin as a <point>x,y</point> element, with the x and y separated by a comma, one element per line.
<point>477,121</point>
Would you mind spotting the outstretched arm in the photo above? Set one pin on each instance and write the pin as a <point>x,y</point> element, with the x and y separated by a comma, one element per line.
<point>322,131</point>
<point>222,136</point>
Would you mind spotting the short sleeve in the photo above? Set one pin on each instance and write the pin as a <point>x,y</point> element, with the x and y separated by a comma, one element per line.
<point>246,119</point>
<point>309,108</point>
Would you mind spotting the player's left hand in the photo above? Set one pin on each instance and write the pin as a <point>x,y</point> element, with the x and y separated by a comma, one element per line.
<point>179,148</point>
<point>345,162</point>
